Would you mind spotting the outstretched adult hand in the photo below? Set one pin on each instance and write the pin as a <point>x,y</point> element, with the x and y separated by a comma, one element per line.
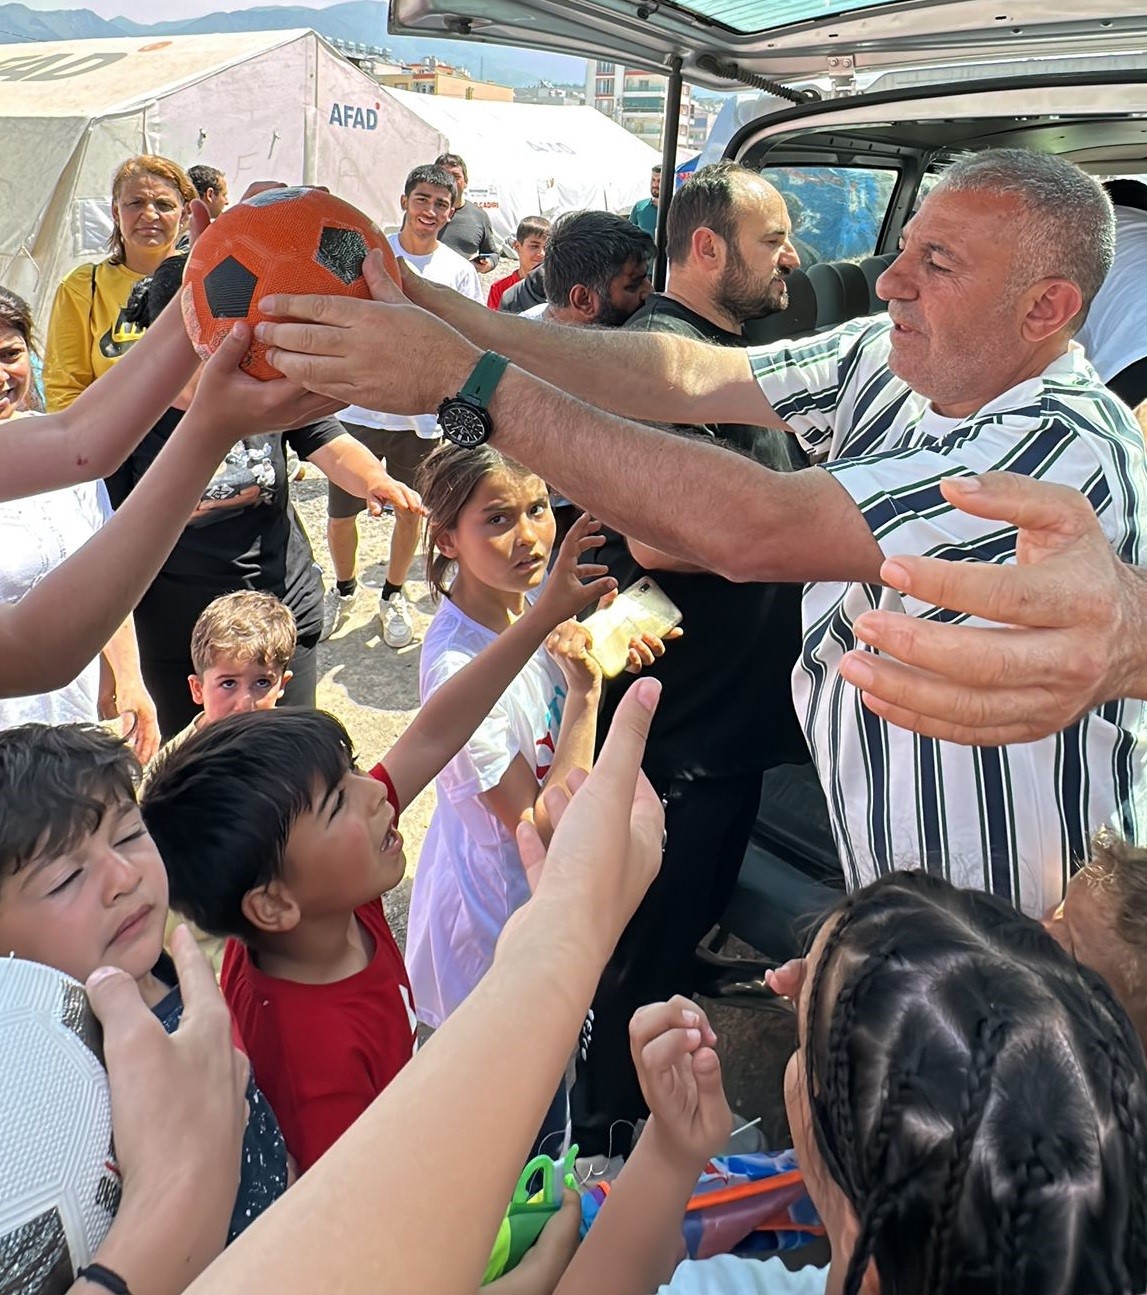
<point>360,352</point>
<point>608,834</point>
<point>178,1114</point>
<point>1069,635</point>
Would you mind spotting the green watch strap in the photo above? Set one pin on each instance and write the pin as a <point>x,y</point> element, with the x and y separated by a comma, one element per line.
<point>480,385</point>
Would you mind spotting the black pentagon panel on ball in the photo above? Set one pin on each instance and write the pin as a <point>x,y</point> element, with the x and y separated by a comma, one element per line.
<point>76,1013</point>
<point>342,251</point>
<point>229,288</point>
<point>268,196</point>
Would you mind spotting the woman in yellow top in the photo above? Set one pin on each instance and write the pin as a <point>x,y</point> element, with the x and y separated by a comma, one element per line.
<point>86,332</point>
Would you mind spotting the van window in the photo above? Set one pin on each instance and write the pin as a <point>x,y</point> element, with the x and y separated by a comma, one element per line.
<point>837,211</point>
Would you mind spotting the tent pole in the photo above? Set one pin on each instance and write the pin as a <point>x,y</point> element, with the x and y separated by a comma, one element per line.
<point>668,165</point>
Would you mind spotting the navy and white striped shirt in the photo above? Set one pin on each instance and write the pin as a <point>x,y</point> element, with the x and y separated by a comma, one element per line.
<point>1014,820</point>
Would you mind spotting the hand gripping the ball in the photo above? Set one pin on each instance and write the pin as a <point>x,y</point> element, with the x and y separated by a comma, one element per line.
<point>229,405</point>
<point>385,353</point>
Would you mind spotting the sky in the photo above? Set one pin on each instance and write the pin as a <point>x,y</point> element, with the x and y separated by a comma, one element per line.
<point>166,10</point>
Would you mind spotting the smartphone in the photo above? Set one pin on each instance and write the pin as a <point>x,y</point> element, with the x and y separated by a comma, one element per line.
<point>643,608</point>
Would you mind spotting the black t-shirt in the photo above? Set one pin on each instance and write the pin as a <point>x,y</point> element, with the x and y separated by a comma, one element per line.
<point>469,232</point>
<point>244,535</point>
<point>527,292</point>
<point>727,704</point>
<point>768,445</point>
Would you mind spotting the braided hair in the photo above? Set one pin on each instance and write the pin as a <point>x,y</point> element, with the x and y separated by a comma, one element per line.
<point>979,1098</point>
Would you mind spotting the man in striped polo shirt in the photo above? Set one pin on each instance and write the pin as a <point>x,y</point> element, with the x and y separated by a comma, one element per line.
<point>973,370</point>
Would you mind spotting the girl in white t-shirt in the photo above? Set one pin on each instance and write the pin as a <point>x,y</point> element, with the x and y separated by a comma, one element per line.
<point>489,536</point>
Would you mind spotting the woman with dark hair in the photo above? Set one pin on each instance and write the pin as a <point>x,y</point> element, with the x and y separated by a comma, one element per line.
<point>243,534</point>
<point>40,532</point>
<point>88,330</point>
<point>968,1105</point>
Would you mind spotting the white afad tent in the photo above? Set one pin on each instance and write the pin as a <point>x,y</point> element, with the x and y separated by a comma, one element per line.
<point>267,105</point>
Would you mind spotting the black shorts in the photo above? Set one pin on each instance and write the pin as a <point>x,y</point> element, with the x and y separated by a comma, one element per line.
<point>403,452</point>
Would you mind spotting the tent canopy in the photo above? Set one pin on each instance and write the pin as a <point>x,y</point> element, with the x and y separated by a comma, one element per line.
<point>267,105</point>
<point>264,105</point>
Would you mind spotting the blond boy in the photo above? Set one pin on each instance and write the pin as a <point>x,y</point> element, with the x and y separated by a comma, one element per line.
<point>240,648</point>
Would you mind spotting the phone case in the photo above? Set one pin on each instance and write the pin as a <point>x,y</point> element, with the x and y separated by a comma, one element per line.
<point>643,608</point>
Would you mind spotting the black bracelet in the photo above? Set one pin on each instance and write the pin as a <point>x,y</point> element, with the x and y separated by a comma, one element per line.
<point>98,1275</point>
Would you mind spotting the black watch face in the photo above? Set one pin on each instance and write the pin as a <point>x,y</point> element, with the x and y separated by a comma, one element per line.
<point>464,424</point>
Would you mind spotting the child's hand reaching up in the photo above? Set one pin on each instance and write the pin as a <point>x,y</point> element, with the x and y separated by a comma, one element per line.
<point>680,1077</point>
<point>569,646</point>
<point>574,584</point>
<point>636,1242</point>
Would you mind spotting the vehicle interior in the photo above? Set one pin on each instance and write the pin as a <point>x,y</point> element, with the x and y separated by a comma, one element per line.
<point>896,161</point>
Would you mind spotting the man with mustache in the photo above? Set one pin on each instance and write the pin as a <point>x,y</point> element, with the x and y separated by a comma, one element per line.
<point>730,249</point>
<point>972,371</point>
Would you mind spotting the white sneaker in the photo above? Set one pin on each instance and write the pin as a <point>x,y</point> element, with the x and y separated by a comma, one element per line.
<point>397,622</point>
<point>336,609</point>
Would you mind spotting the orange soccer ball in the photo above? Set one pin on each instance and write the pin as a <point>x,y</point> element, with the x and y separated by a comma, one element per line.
<point>281,240</point>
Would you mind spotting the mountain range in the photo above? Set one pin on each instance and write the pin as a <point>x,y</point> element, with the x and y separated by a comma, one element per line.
<point>360,21</point>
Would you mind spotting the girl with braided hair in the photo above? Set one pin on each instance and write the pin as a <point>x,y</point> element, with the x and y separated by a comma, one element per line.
<point>968,1104</point>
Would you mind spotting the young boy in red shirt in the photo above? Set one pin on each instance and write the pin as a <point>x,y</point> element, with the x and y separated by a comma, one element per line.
<point>271,835</point>
<point>530,245</point>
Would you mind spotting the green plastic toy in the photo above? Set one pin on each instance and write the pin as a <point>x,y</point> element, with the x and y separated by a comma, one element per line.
<point>529,1213</point>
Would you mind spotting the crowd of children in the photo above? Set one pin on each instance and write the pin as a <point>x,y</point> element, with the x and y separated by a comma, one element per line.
<point>968,1094</point>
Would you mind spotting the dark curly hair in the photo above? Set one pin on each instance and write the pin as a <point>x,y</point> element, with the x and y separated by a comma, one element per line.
<point>978,1096</point>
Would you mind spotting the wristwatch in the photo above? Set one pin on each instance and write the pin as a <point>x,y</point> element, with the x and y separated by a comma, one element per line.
<point>464,418</point>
